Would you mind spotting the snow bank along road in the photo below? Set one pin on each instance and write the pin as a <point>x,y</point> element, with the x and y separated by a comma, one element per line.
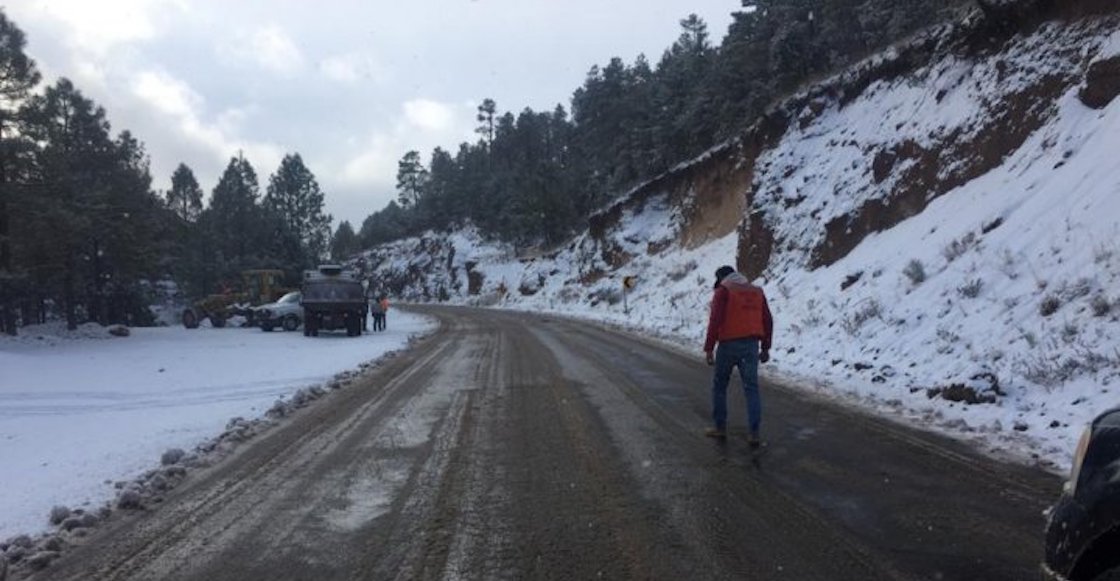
<point>514,446</point>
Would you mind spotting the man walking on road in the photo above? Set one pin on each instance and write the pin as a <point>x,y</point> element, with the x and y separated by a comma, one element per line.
<point>740,323</point>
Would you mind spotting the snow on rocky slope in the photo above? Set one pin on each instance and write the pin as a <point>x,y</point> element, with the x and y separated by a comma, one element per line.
<point>938,230</point>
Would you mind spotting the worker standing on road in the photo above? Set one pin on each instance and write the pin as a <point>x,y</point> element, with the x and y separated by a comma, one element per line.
<point>384,310</point>
<point>378,312</point>
<point>741,324</point>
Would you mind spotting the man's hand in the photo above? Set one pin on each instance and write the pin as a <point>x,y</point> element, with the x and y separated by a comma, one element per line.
<point>764,356</point>
<point>709,358</point>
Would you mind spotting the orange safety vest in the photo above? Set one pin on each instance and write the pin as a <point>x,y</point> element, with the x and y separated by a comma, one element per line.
<point>744,315</point>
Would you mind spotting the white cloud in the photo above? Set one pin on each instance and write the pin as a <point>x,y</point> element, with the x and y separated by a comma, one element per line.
<point>429,115</point>
<point>423,125</point>
<point>270,48</point>
<point>351,68</point>
<point>375,166</point>
<point>341,68</point>
<point>100,26</point>
<point>174,100</point>
<point>166,94</point>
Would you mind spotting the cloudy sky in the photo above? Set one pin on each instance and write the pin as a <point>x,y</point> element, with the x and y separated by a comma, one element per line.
<point>351,85</point>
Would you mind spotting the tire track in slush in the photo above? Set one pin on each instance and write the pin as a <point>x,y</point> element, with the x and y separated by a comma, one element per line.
<point>513,446</point>
<point>197,524</point>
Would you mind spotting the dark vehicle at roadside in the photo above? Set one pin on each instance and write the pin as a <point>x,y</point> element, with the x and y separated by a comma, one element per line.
<point>332,299</point>
<point>1083,531</point>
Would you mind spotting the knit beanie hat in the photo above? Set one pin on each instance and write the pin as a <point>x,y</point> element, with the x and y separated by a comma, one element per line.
<point>722,272</point>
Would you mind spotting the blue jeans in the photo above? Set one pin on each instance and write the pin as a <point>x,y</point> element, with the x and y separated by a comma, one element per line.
<point>741,353</point>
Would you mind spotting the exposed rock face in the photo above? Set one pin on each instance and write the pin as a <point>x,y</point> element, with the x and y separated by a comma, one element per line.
<point>756,244</point>
<point>1102,83</point>
<point>475,279</point>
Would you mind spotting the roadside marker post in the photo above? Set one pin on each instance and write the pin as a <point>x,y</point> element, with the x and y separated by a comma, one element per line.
<point>628,282</point>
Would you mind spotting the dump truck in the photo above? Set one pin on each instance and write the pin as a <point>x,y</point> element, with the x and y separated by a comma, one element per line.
<point>257,288</point>
<point>333,299</point>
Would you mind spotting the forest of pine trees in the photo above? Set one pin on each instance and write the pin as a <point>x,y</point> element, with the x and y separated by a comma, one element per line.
<point>533,177</point>
<point>83,234</point>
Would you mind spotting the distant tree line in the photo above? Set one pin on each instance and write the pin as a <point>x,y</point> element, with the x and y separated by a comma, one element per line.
<point>82,234</point>
<point>532,178</point>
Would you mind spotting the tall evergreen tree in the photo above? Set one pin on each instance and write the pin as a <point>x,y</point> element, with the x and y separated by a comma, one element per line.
<point>69,183</point>
<point>486,113</point>
<point>294,195</point>
<point>344,243</point>
<point>234,218</point>
<point>18,75</point>
<point>411,179</point>
<point>185,197</point>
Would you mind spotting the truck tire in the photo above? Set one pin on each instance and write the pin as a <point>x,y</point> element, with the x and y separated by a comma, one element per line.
<point>190,318</point>
<point>290,323</point>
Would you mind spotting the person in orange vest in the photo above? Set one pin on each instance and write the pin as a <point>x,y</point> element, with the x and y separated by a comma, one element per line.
<point>384,304</point>
<point>740,322</point>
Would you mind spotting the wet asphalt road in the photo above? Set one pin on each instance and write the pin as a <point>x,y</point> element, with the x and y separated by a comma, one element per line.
<point>513,446</point>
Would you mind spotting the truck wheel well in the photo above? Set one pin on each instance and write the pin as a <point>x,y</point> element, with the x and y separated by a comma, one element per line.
<point>1102,555</point>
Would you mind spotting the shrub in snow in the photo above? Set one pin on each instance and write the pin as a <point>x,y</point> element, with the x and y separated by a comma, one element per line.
<point>1069,332</point>
<point>971,289</point>
<point>1100,305</point>
<point>172,456</point>
<point>1049,305</point>
<point>915,271</point>
<point>611,296</point>
<point>869,309</point>
<point>958,247</point>
<point>1052,370</point>
<point>1080,288</point>
<point>677,274</point>
<point>59,514</point>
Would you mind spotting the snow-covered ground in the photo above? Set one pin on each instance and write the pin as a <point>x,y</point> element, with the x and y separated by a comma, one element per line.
<point>80,411</point>
<point>1006,288</point>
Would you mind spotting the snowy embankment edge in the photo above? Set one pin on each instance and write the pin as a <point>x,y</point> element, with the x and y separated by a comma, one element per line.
<point>25,553</point>
<point>1013,448</point>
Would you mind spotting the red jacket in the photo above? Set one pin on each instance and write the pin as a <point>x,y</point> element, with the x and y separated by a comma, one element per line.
<point>739,311</point>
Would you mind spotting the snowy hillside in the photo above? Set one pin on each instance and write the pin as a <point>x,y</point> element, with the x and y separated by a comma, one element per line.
<point>941,245</point>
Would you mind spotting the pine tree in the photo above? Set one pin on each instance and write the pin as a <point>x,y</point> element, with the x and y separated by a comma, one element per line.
<point>411,179</point>
<point>18,75</point>
<point>344,243</point>
<point>185,197</point>
<point>294,195</point>
<point>70,184</point>
<point>486,112</point>
<point>236,222</point>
